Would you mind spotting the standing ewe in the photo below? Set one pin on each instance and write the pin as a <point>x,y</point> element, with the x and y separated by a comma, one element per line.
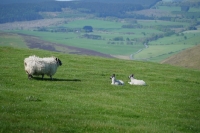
<point>116,82</point>
<point>135,81</point>
<point>41,66</point>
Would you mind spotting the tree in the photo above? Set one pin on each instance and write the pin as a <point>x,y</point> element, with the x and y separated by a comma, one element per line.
<point>88,28</point>
<point>185,8</point>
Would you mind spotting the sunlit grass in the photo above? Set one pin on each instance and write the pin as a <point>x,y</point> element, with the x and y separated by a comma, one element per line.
<point>81,98</point>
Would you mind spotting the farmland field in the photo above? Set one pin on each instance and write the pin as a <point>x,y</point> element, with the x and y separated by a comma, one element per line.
<point>161,23</point>
<point>162,52</point>
<point>95,23</point>
<point>150,39</point>
<point>170,9</point>
<point>188,38</point>
<point>109,30</point>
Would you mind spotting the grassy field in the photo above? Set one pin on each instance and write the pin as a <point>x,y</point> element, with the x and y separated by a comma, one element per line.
<point>161,23</point>
<point>165,47</point>
<point>81,98</point>
<point>162,50</point>
<point>72,39</point>
<point>189,38</point>
<point>170,9</point>
<point>95,23</point>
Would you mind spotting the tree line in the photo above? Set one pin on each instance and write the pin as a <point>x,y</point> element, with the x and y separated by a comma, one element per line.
<point>30,11</point>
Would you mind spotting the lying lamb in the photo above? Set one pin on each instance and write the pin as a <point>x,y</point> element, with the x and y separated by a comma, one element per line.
<point>116,82</point>
<point>135,81</point>
<point>41,66</point>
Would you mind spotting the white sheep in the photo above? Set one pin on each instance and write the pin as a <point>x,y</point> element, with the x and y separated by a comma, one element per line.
<point>116,82</point>
<point>135,81</point>
<point>40,66</point>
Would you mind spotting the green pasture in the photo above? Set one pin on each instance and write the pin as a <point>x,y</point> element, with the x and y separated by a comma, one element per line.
<point>187,38</point>
<point>11,40</point>
<point>82,99</point>
<point>137,30</point>
<point>73,39</point>
<point>104,47</point>
<point>169,45</point>
<point>169,8</point>
<point>132,34</point>
<point>160,52</point>
<point>165,47</point>
<point>153,23</point>
<point>94,23</point>
<point>109,30</point>
<point>193,9</point>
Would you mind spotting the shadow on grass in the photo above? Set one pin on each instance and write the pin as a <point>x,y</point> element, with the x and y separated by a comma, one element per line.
<point>55,79</point>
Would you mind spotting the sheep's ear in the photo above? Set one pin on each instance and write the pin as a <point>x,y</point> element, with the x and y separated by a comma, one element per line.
<point>56,59</point>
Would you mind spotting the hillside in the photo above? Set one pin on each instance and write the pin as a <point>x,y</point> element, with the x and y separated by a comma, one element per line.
<point>81,98</point>
<point>188,58</point>
<point>21,1</point>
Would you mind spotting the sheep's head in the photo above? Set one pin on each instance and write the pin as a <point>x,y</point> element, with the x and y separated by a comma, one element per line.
<point>58,61</point>
<point>131,76</point>
<point>113,76</point>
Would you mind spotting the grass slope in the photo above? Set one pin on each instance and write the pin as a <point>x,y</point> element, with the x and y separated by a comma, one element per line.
<point>12,40</point>
<point>188,58</point>
<point>81,98</point>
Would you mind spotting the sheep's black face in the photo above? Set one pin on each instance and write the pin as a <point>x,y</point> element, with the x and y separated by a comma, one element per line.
<point>130,76</point>
<point>59,61</point>
<point>112,76</point>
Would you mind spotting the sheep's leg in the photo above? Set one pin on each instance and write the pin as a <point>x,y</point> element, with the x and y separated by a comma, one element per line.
<point>51,77</point>
<point>29,76</point>
<point>42,76</point>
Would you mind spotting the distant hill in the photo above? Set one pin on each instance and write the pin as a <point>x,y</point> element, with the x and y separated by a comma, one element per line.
<point>145,2</point>
<point>22,10</point>
<point>125,1</point>
<point>188,58</point>
<point>21,1</point>
<point>172,0</point>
